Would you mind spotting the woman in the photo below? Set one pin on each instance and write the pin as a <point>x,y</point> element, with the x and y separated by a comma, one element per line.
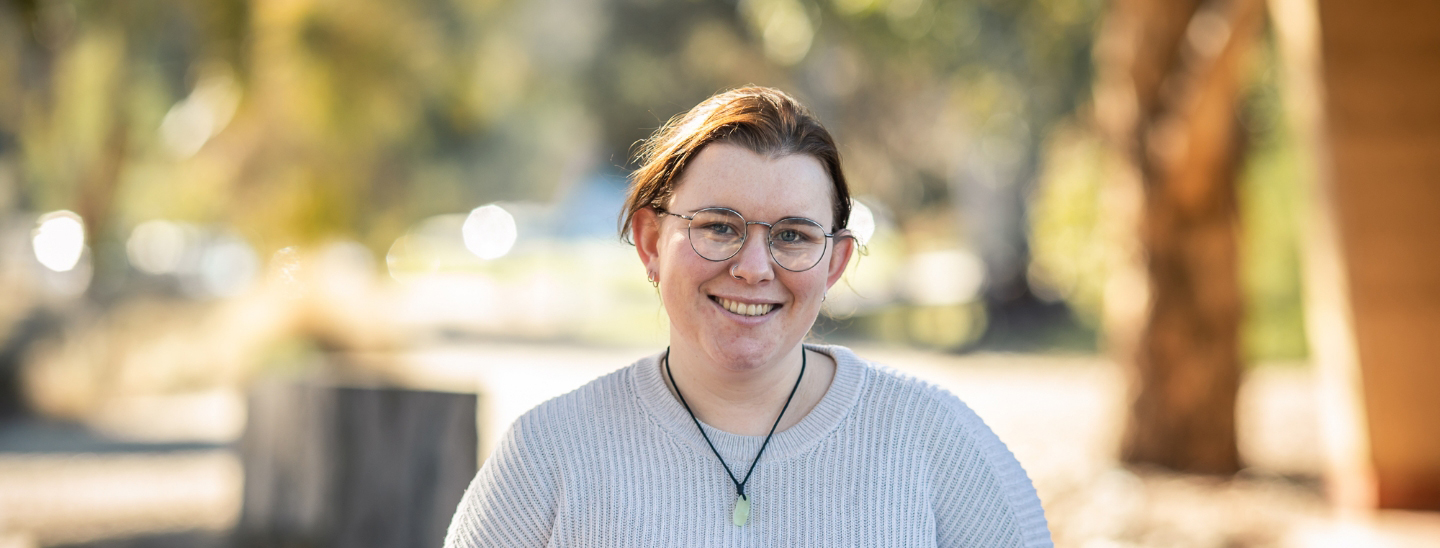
<point>738,434</point>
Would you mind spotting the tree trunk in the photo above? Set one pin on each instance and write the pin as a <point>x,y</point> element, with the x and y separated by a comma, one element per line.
<point>1166,96</point>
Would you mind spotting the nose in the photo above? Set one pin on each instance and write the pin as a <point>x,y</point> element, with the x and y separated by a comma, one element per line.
<point>752,263</point>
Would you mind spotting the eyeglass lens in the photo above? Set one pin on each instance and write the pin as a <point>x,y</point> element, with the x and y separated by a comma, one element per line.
<point>718,234</point>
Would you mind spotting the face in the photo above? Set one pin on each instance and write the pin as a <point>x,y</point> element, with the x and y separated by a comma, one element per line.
<point>700,295</point>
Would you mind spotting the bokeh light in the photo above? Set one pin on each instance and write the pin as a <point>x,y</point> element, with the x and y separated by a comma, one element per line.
<point>191,122</point>
<point>59,240</point>
<point>861,222</point>
<point>227,267</point>
<point>489,232</point>
<point>158,246</point>
<point>944,277</point>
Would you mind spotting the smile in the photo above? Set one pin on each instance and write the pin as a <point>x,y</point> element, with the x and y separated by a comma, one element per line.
<point>744,309</point>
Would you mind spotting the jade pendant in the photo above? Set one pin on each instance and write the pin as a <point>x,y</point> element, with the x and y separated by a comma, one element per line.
<point>742,511</point>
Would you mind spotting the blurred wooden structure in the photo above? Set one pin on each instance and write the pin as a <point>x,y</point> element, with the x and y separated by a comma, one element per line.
<point>354,467</point>
<point>1372,85</point>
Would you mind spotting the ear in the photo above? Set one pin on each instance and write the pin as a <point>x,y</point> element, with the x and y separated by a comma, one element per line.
<point>645,232</point>
<point>839,257</point>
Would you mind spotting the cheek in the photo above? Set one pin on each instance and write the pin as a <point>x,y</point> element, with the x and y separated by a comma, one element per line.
<point>809,287</point>
<point>683,269</point>
<point>672,255</point>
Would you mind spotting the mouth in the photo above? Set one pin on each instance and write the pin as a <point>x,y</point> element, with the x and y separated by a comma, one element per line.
<point>745,309</point>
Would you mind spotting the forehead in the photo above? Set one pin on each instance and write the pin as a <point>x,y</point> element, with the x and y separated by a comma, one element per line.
<point>760,187</point>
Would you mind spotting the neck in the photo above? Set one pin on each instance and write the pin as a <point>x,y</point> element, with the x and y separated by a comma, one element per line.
<point>747,401</point>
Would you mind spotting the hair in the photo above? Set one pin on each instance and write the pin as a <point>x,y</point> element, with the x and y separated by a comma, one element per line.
<point>764,120</point>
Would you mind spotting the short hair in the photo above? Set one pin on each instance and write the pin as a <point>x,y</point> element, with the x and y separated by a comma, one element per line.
<point>764,120</point>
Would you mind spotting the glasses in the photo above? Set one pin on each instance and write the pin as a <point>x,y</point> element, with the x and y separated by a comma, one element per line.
<point>718,233</point>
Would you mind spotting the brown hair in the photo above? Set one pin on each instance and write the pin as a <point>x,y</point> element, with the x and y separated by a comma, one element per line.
<point>764,120</point>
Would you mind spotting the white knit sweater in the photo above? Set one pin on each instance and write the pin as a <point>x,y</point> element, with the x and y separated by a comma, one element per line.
<point>882,460</point>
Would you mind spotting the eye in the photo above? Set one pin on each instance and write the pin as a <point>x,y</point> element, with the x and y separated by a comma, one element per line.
<point>795,236</point>
<point>719,229</point>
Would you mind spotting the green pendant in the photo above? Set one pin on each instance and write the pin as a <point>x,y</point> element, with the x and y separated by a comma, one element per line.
<point>742,511</point>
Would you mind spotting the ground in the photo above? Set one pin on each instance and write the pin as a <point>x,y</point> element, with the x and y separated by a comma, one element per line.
<point>1060,415</point>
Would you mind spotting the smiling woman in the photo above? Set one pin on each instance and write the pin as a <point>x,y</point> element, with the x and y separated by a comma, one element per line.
<point>739,434</point>
<point>696,288</point>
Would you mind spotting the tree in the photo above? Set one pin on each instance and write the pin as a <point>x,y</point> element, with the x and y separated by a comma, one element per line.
<point>1167,89</point>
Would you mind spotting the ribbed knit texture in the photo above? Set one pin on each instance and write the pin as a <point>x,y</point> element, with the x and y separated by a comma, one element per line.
<point>882,460</point>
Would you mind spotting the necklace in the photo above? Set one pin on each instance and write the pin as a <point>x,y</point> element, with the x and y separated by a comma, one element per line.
<point>742,502</point>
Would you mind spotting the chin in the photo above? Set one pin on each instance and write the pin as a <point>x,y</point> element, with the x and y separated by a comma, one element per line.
<point>747,355</point>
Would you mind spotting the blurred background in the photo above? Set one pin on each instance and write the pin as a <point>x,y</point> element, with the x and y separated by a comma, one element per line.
<point>279,272</point>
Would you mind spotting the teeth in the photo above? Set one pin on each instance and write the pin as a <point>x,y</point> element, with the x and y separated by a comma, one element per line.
<point>745,309</point>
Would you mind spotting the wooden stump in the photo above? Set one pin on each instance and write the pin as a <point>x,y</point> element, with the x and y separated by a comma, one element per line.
<point>354,467</point>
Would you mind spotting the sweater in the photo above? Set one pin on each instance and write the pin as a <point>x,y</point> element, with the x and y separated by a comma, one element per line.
<point>882,460</point>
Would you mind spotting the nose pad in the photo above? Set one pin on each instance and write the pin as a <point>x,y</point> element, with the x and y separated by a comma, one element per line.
<point>752,263</point>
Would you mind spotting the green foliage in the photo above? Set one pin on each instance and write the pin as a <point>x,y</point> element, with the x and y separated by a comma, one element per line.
<point>350,113</point>
<point>1072,242</point>
<point>1270,195</point>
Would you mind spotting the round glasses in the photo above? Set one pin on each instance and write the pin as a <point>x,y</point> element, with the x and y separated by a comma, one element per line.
<point>718,233</point>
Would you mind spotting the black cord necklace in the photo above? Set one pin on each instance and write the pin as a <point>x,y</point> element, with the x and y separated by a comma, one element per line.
<point>742,502</point>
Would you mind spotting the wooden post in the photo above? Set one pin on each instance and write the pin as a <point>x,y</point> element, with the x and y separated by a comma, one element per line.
<point>1380,65</point>
<point>354,467</point>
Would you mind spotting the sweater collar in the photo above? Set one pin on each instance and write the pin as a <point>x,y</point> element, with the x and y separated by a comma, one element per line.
<point>839,399</point>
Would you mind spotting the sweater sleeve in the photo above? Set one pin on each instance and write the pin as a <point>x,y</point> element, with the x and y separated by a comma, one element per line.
<point>511,501</point>
<point>982,495</point>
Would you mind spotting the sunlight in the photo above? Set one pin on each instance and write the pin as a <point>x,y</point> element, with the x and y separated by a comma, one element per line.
<point>862,222</point>
<point>59,240</point>
<point>489,232</point>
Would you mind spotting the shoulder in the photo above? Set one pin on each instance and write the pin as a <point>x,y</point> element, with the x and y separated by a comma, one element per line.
<point>939,405</point>
<point>974,473</point>
<point>605,390</point>
<point>604,399</point>
<point>910,398</point>
<point>512,499</point>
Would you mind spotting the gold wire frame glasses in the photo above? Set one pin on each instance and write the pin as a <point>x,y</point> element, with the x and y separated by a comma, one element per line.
<point>717,233</point>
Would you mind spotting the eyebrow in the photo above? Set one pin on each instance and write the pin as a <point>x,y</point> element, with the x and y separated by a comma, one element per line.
<point>696,210</point>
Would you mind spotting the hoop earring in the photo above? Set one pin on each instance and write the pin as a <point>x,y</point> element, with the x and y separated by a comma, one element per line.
<point>653,279</point>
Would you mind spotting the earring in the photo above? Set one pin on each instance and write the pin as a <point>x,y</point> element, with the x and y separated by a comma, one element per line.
<point>654,280</point>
